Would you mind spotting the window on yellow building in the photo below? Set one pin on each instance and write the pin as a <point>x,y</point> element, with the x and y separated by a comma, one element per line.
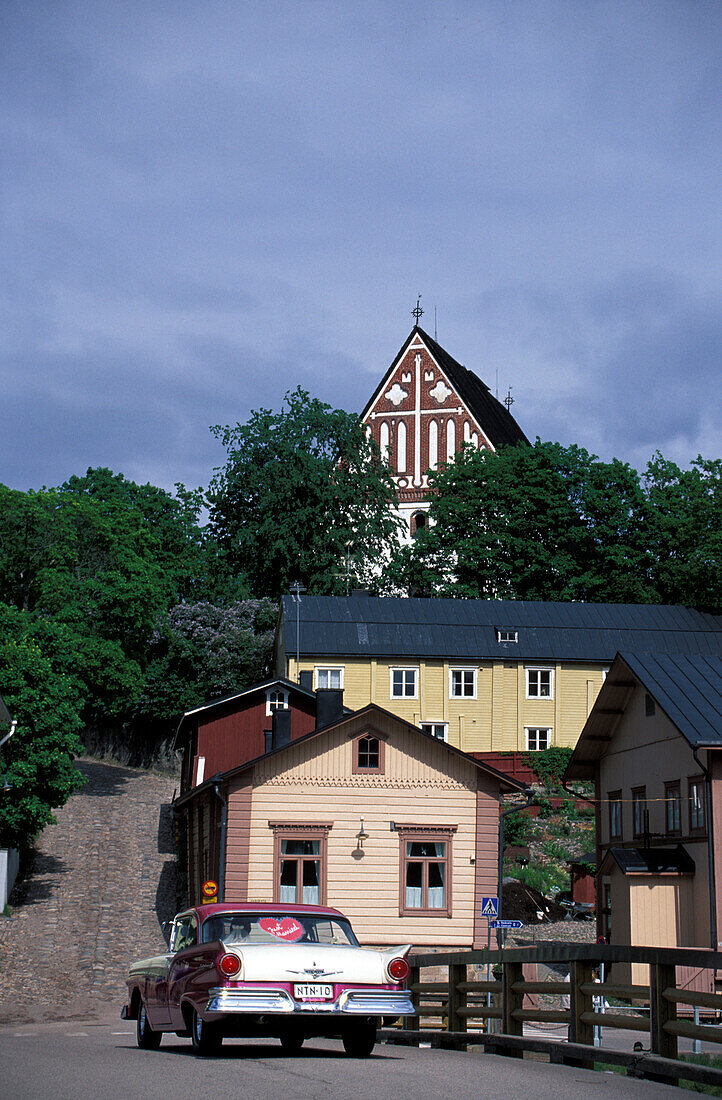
<point>539,683</point>
<point>462,683</point>
<point>404,683</point>
<point>329,677</point>
<point>538,738</point>
<point>440,730</point>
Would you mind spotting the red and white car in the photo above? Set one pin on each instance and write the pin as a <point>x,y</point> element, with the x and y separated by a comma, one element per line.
<point>286,971</point>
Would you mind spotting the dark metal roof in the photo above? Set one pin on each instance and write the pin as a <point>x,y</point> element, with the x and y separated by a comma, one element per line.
<point>688,688</point>
<point>493,417</point>
<point>338,626</point>
<point>651,861</point>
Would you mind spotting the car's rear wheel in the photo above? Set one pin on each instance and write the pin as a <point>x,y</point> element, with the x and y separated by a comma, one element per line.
<point>206,1038</point>
<point>292,1042</point>
<point>146,1038</point>
<point>361,1041</point>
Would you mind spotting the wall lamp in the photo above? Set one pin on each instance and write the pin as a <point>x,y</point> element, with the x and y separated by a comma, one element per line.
<point>362,835</point>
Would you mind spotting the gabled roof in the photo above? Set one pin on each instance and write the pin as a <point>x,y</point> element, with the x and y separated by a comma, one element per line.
<point>650,861</point>
<point>404,627</point>
<point>205,710</point>
<point>686,687</point>
<point>506,782</point>
<point>494,419</point>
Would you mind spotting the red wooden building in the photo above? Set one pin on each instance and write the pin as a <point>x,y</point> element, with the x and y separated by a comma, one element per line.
<point>227,732</point>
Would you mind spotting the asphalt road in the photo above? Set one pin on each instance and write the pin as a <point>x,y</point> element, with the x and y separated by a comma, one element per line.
<point>75,1061</point>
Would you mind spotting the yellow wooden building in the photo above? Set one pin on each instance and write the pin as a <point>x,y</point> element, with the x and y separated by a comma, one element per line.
<point>487,676</point>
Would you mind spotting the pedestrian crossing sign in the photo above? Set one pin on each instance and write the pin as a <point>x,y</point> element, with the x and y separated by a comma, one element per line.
<point>490,907</point>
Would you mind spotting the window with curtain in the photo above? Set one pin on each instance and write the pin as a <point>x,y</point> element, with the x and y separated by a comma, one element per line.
<point>300,872</point>
<point>329,677</point>
<point>300,863</point>
<point>425,869</point>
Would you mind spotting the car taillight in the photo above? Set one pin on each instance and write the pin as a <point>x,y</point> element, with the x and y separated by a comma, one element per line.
<point>398,970</point>
<point>229,965</point>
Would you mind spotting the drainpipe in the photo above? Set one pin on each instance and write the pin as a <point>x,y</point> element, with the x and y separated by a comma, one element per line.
<point>224,830</point>
<point>530,798</point>
<point>710,849</point>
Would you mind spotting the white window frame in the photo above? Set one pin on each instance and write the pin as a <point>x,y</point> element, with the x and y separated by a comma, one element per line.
<point>462,669</point>
<point>537,694</point>
<point>280,705</point>
<point>429,727</point>
<point>327,668</point>
<point>536,730</point>
<point>505,636</point>
<point>405,669</point>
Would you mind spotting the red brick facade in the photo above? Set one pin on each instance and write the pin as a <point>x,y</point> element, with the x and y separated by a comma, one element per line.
<point>417,398</point>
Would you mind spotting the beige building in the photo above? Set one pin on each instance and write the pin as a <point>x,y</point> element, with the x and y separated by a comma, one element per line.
<point>369,815</point>
<point>653,746</point>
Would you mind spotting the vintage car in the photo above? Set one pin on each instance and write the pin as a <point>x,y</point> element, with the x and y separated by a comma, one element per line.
<point>286,971</point>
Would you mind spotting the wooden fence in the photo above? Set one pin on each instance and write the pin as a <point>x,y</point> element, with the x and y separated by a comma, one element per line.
<point>490,1011</point>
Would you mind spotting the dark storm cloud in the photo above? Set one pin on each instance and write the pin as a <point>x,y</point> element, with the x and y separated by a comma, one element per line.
<point>204,207</point>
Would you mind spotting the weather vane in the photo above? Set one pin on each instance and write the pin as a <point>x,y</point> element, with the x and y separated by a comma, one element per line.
<point>418,312</point>
<point>509,400</point>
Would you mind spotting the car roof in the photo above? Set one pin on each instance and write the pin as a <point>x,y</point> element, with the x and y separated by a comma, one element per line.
<point>219,909</point>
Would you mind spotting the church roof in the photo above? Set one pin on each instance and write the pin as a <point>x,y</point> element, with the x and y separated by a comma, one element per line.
<point>493,417</point>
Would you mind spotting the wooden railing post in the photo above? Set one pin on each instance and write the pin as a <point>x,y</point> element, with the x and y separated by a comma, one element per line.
<point>511,998</point>
<point>581,1031</point>
<point>457,997</point>
<point>661,1011</point>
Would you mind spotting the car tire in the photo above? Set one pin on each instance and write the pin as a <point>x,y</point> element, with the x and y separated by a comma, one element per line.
<point>361,1041</point>
<point>146,1038</point>
<point>205,1037</point>
<point>292,1042</point>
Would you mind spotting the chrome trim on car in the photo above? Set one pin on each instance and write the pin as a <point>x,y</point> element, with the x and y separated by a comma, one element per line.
<point>363,1002</point>
<point>249,1000</point>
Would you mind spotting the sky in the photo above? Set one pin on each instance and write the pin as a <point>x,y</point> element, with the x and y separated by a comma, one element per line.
<point>205,205</point>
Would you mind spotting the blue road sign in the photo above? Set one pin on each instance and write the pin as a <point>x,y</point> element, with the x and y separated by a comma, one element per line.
<point>489,907</point>
<point>506,924</point>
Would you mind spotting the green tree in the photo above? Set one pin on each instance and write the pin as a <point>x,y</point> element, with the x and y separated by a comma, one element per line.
<point>541,522</point>
<point>685,531</point>
<point>38,761</point>
<point>304,493</point>
<point>203,651</point>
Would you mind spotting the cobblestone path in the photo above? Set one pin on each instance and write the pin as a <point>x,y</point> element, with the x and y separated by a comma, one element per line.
<point>102,880</point>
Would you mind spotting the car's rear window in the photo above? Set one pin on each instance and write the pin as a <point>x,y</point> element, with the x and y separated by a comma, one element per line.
<point>278,928</point>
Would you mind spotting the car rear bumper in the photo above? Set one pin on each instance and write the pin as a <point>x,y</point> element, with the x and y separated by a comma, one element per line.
<point>359,1002</point>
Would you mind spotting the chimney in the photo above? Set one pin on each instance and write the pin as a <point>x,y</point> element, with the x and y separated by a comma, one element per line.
<point>329,706</point>
<point>305,679</point>
<point>281,733</point>
<point>267,740</point>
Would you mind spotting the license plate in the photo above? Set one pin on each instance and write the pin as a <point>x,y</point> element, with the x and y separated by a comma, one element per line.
<point>313,991</point>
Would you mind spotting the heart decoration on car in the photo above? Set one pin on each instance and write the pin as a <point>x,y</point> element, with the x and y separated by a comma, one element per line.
<point>286,929</point>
